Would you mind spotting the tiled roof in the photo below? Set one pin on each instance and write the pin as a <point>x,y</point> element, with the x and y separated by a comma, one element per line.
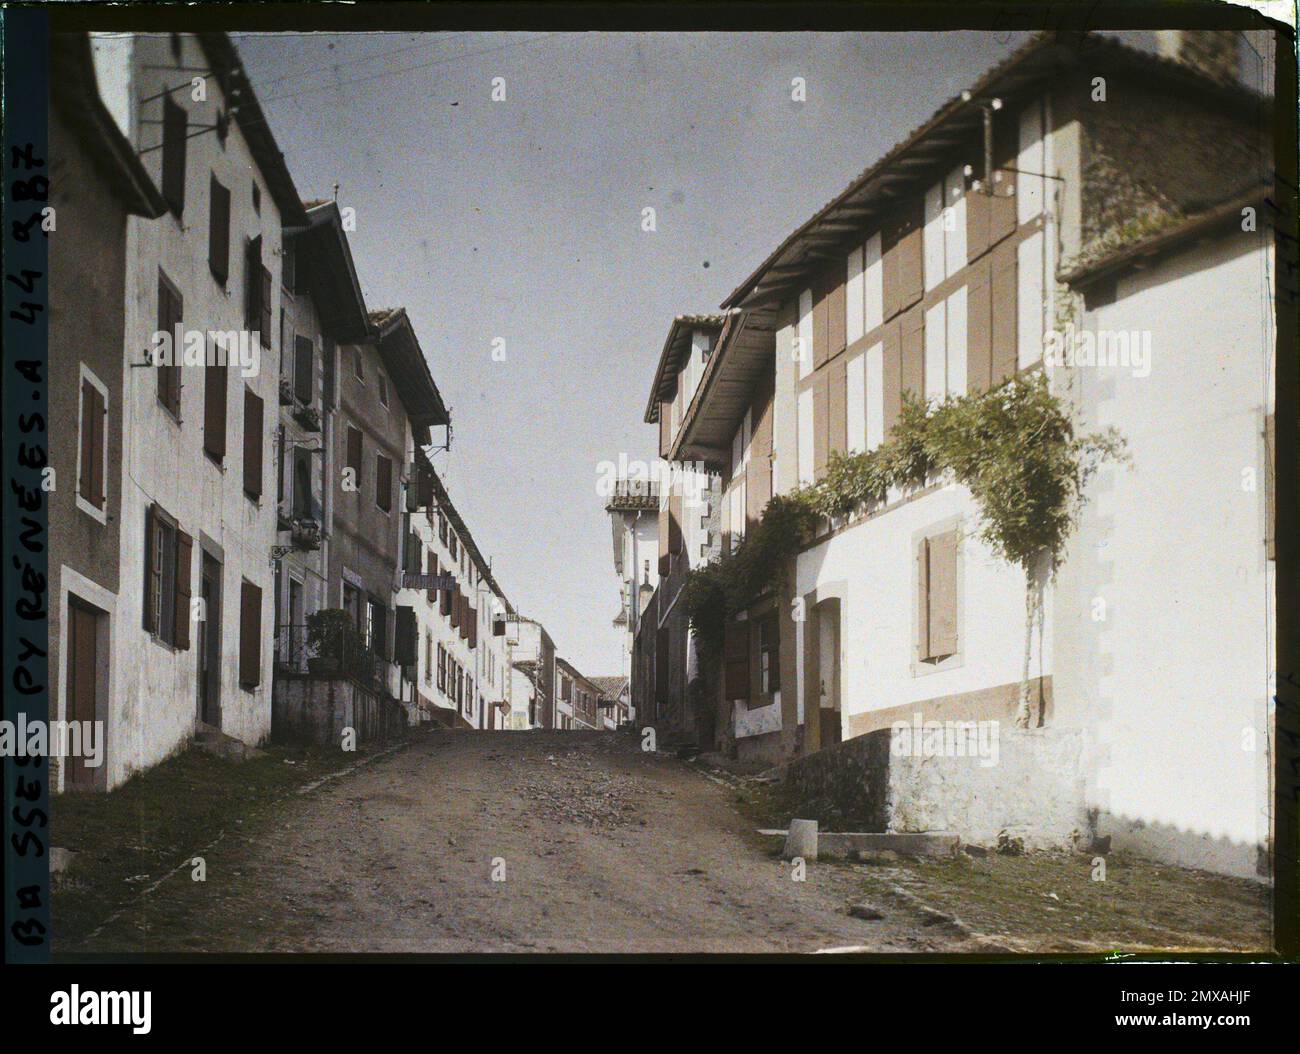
<point>610,687</point>
<point>1041,57</point>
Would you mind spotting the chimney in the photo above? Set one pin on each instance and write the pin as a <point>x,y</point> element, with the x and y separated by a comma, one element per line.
<point>1213,52</point>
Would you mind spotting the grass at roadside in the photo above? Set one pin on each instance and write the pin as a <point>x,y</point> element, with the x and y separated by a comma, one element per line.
<point>1050,902</point>
<point>125,841</point>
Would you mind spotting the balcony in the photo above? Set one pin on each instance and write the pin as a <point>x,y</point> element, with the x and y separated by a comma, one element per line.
<point>633,495</point>
<point>294,654</point>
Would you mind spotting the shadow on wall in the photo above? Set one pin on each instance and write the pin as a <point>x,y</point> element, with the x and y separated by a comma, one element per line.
<point>1029,786</point>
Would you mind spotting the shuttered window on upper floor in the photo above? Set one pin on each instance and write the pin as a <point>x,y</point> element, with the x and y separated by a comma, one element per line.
<point>174,132</point>
<point>250,635</point>
<point>167,551</point>
<point>92,454</point>
<point>254,423</point>
<point>170,312</point>
<point>218,230</point>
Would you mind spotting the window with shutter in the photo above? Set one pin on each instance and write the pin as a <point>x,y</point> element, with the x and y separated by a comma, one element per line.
<point>404,639</point>
<point>735,649</point>
<point>250,635</point>
<point>219,231</point>
<point>90,471</point>
<point>430,568</point>
<point>383,482</point>
<point>253,423</point>
<point>174,131</point>
<point>253,287</point>
<point>215,383</point>
<point>170,310</point>
<point>354,454</point>
<point>937,597</point>
<point>264,302</point>
<point>181,610</point>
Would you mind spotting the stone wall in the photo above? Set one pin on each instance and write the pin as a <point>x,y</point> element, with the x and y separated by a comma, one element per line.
<point>1033,791</point>
<point>318,709</point>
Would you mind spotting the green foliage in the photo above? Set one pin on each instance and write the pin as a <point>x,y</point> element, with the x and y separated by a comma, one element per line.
<point>1013,447</point>
<point>331,634</point>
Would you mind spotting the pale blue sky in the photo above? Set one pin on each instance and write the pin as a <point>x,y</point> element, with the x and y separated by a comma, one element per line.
<point>521,220</point>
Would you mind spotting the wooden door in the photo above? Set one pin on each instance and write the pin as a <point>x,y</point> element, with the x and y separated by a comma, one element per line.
<point>83,682</point>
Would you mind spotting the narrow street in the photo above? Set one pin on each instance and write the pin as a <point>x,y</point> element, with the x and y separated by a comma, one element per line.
<point>605,849</point>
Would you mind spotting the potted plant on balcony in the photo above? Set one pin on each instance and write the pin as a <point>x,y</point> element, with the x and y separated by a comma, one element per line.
<point>333,641</point>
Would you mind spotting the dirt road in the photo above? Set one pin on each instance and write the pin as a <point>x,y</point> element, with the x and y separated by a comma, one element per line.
<point>599,848</point>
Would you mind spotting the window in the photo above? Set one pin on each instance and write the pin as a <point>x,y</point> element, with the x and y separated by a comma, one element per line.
<point>215,383</point>
<point>803,350</point>
<point>253,425</point>
<point>354,454</point>
<point>174,131</point>
<point>383,389</point>
<point>288,267</point>
<point>92,456</point>
<point>257,199</point>
<point>769,655</point>
<point>383,482</point>
<point>304,369</point>
<point>442,669</point>
<point>218,231</point>
<point>944,234</point>
<point>257,292</point>
<point>377,628</point>
<point>945,347</point>
<point>428,658</point>
<point>937,597</point>
<point>167,579</point>
<point>358,367</point>
<point>170,311</point>
<point>250,635</point>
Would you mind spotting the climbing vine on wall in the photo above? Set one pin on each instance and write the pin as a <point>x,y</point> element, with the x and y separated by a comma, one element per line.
<point>1013,447</point>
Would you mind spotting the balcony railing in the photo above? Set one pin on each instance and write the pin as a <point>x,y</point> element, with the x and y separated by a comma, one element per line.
<point>295,654</point>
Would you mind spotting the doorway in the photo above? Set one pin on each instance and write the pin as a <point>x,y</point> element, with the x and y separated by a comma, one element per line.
<point>828,668</point>
<point>209,687</point>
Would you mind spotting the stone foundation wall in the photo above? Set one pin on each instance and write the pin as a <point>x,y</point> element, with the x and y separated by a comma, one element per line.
<point>1033,792</point>
<point>318,709</point>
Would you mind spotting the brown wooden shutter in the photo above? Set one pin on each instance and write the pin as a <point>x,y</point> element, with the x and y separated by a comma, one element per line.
<point>892,374</point>
<point>837,322</point>
<point>90,485</point>
<point>923,599</point>
<point>250,634</point>
<point>430,568</point>
<point>821,322</point>
<point>1002,324</point>
<point>354,453</point>
<point>821,422</point>
<point>472,611</point>
<point>265,304</point>
<point>1270,487</point>
<point>170,312</point>
<point>758,473</point>
<point>837,409</point>
<point>405,639</point>
<point>152,570</point>
<point>424,486</point>
<point>979,332</point>
<point>215,383</point>
<point>1002,203</point>
<point>252,444</point>
<point>253,286</point>
<point>446,604</point>
<point>890,294</point>
<point>908,250</point>
<point>218,231</point>
<point>181,612</point>
<point>464,616</point>
<point>455,606</point>
<point>913,352</point>
<point>665,427</point>
<point>943,594</point>
<point>735,649</point>
<point>174,131</point>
